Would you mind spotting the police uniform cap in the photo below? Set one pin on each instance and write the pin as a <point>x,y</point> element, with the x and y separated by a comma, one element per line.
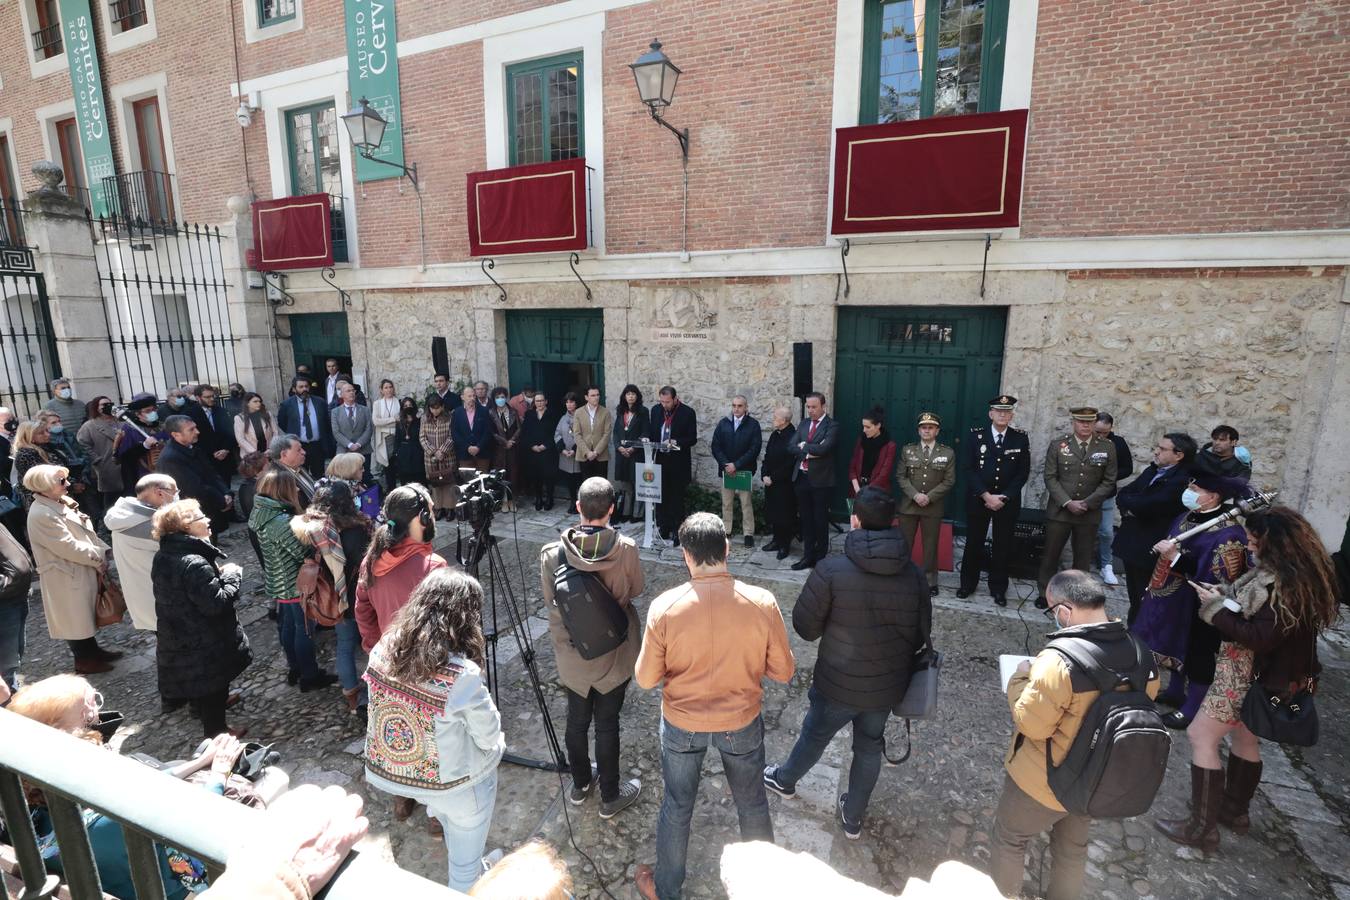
<point>928,418</point>
<point>1084,413</point>
<point>1003,401</point>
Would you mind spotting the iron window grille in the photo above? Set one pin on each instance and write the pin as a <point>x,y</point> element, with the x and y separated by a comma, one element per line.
<point>127,14</point>
<point>47,41</point>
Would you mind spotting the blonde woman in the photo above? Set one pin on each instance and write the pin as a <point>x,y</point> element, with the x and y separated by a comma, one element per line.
<point>32,447</point>
<point>68,554</point>
<point>348,467</point>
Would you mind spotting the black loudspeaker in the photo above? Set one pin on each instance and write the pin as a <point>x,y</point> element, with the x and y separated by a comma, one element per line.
<point>801,369</point>
<point>440,356</point>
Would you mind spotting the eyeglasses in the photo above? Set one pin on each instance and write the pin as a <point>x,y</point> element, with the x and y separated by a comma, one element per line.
<point>63,481</point>
<point>1161,449</point>
<point>1049,612</point>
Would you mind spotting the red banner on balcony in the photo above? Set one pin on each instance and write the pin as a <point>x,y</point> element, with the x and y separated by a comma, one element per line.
<point>945,173</point>
<point>528,209</point>
<point>292,233</point>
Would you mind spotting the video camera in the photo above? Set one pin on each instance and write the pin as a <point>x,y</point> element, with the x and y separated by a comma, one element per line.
<point>482,494</point>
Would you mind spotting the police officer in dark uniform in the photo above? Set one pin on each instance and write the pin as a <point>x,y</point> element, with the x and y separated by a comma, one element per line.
<point>997,463</point>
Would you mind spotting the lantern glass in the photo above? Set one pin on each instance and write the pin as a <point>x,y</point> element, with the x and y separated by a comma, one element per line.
<point>656,76</point>
<point>365,126</point>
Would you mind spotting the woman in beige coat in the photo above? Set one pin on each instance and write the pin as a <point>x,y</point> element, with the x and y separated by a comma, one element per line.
<point>68,555</point>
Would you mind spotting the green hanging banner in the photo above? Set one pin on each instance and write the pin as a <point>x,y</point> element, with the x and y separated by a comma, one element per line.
<point>91,113</point>
<point>372,72</point>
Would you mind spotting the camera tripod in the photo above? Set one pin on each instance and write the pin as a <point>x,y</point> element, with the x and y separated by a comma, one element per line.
<point>481,544</point>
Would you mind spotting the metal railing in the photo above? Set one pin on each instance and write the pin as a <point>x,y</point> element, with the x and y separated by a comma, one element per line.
<point>144,197</point>
<point>11,224</point>
<point>151,807</point>
<point>127,14</point>
<point>78,194</point>
<point>47,41</point>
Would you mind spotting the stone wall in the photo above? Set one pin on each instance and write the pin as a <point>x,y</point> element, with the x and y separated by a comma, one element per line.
<point>1161,350</point>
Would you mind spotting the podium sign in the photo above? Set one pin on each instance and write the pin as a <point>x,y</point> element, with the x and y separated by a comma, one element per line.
<point>648,483</point>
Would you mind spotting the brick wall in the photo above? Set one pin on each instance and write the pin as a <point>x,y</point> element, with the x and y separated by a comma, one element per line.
<point>1205,116</point>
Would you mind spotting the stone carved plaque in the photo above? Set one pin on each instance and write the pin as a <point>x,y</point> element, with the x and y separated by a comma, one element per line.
<point>683,315</point>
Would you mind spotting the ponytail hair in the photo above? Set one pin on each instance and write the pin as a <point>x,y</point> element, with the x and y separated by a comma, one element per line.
<point>403,504</point>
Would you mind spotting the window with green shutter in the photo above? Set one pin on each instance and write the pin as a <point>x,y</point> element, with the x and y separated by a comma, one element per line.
<point>270,12</point>
<point>544,106</point>
<point>925,58</point>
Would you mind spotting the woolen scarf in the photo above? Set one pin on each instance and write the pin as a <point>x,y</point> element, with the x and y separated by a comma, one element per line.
<point>871,448</point>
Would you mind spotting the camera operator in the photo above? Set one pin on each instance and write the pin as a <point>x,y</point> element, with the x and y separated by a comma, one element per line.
<point>596,687</point>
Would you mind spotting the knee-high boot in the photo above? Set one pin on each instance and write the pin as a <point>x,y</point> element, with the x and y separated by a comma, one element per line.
<point>1201,828</point>
<point>1243,777</point>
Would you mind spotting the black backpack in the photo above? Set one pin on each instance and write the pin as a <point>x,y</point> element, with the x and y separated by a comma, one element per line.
<point>1118,759</point>
<point>594,620</point>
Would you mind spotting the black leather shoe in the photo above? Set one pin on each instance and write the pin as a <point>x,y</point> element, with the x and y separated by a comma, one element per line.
<point>784,553</point>
<point>932,590</point>
<point>749,540</point>
<point>770,547</point>
<point>1000,599</point>
<point>1042,603</point>
<point>803,563</point>
<point>963,593</point>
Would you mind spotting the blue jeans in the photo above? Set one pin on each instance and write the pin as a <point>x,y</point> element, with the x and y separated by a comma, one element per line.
<point>295,641</point>
<point>13,615</point>
<point>348,643</point>
<point>465,815</point>
<point>823,720</point>
<point>682,755</point>
<point>1106,533</point>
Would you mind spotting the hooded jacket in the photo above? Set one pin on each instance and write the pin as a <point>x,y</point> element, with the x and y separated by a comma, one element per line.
<point>134,551</point>
<point>395,575</point>
<point>613,558</point>
<point>282,551</point>
<point>871,611</point>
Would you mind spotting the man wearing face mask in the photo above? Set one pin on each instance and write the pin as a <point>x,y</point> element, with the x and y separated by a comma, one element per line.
<point>65,405</point>
<point>1168,620</point>
<point>8,425</point>
<point>177,402</point>
<point>140,441</point>
<point>134,544</point>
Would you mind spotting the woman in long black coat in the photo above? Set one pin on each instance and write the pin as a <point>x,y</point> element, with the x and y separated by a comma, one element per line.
<point>630,424</point>
<point>407,458</point>
<point>200,647</point>
<point>539,451</point>
<point>780,503</point>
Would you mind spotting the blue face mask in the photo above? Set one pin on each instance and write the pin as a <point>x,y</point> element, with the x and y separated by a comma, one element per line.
<point>152,416</point>
<point>56,429</point>
<point>501,401</point>
<point>176,401</point>
<point>64,393</point>
<point>1190,499</point>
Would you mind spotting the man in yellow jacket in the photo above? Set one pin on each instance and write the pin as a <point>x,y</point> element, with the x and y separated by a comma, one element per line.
<point>1046,708</point>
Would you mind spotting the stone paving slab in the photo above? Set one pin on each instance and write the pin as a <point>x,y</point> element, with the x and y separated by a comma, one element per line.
<point>936,806</point>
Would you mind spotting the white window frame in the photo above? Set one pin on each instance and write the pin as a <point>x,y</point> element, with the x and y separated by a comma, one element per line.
<point>276,102</point>
<point>584,33</point>
<point>1018,60</point>
<point>47,117</point>
<point>117,41</point>
<point>41,68</point>
<point>121,98</point>
<point>255,30</point>
<point>7,131</point>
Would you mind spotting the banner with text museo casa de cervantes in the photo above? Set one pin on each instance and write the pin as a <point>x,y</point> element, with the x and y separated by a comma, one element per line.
<point>372,72</point>
<point>91,114</point>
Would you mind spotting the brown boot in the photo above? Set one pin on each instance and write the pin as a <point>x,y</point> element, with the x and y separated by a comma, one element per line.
<point>351,697</point>
<point>92,665</point>
<point>1243,777</point>
<point>403,807</point>
<point>1201,828</point>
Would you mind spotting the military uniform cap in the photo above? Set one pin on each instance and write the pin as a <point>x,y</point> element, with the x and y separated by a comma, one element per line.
<point>928,418</point>
<point>1003,401</point>
<point>1084,413</point>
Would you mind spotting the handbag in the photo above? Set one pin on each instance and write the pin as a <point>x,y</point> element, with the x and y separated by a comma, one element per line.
<point>110,605</point>
<point>920,700</point>
<point>1283,720</point>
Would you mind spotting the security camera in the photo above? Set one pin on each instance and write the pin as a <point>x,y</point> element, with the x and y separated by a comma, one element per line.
<point>243,115</point>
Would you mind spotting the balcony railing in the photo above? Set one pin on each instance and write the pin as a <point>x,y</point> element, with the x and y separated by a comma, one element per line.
<point>78,194</point>
<point>11,224</point>
<point>47,41</point>
<point>127,14</point>
<point>338,229</point>
<point>143,198</point>
<point>152,807</point>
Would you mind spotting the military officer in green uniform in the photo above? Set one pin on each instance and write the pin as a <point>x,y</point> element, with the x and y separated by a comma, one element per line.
<point>1080,473</point>
<point>926,473</point>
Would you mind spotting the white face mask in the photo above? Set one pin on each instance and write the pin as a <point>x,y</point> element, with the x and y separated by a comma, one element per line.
<point>64,393</point>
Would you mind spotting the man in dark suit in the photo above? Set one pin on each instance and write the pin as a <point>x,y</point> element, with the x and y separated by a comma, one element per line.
<point>1148,506</point>
<point>184,462</point>
<point>736,443</point>
<point>216,431</point>
<point>441,388</point>
<point>306,417</point>
<point>997,462</point>
<point>472,435</point>
<point>813,479</point>
<point>671,420</point>
<point>330,380</point>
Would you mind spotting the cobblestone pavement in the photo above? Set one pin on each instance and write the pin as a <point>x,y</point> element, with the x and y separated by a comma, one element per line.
<point>939,805</point>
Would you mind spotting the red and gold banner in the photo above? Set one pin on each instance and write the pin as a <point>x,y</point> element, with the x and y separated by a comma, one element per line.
<point>292,233</point>
<point>528,209</point>
<point>951,172</point>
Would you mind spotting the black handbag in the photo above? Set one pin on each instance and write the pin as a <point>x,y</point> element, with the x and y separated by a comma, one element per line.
<point>1291,720</point>
<point>920,700</point>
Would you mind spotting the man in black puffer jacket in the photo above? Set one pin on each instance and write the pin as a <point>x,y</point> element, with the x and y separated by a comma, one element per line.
<point>871,610</point>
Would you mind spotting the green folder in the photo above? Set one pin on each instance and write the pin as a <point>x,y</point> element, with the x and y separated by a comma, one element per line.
<point>738,482</point>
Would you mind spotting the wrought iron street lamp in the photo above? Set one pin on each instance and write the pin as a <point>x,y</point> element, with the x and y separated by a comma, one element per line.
<point>656,77</point>
<point>365,127</point>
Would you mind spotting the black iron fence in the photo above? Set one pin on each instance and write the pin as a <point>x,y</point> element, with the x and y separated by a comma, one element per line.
<point>127,14</point>
<point>28,360</point>
<point>143,197</point>
<point>338,229</point>
<point>47,41</point>
<point>166,303</point>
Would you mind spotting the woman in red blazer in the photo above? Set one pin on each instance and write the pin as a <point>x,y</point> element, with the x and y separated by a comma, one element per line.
<point>873,456</point>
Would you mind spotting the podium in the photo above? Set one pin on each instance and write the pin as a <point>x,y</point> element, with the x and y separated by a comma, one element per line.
<point>647,480</point>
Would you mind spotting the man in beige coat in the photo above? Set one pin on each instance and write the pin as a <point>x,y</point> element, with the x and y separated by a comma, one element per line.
<point>596,687</point>
<point>68,556</point>
<point>592,425</point>
<point>134,544</point>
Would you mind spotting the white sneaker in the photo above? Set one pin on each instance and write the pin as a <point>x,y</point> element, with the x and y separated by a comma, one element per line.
<point>1108,576</point>
<point>492,859</point>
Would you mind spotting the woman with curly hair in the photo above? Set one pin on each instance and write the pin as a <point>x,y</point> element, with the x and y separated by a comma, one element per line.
<point>1270,619</point>
<point>435,735</point>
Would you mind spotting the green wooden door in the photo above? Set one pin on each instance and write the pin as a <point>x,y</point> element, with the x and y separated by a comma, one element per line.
<point>317,336</point>
<point>910,359</point>
<point>556,350</point>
